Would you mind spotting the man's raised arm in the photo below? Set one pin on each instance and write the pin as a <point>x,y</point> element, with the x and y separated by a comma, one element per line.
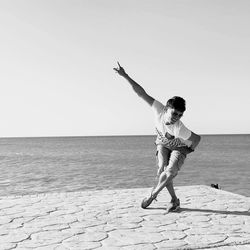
<point>136,87</point>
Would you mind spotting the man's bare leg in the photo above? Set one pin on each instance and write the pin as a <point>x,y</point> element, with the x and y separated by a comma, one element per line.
<point>163,181</point>
<point>166,180</point>
<point>170,188</point>
<point>165,177</point>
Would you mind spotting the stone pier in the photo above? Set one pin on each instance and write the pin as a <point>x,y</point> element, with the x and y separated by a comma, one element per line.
<point>113,220</point>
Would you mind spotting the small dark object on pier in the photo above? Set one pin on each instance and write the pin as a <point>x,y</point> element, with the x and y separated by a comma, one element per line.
<point>215,186</point>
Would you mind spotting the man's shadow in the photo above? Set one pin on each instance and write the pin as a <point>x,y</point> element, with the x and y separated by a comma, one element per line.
<point>184,209</point>
<point>246,213</point>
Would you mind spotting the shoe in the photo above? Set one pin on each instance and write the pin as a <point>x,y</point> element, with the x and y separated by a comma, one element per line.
<point>174,206</point>
<point>147,201</point>
<point>216,186</point>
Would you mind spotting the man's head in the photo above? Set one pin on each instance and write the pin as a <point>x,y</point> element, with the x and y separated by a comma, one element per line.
<point>174,109</point>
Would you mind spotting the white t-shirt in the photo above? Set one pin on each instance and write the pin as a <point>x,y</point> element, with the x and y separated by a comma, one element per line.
<point>176,130</point>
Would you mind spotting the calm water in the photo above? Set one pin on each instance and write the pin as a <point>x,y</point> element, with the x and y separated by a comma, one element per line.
<point>36,165</point>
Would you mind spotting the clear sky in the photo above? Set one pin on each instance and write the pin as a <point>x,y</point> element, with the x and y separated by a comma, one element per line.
<point>57,60</point>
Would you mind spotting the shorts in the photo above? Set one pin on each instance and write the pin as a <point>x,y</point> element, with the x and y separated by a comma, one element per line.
<point>172,160</point>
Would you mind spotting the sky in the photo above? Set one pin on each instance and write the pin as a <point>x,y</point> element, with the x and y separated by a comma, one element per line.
<point>57,60</point>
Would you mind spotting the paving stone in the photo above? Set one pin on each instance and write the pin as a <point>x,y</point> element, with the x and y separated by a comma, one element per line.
<point>82,245</point>
<point>139,247</point>
<point>7,246</point>
<point>124,225</point>
<point>88,237</point>
<point>11,211</point>
<point>171,244</point>
<point>55,227</point>
<point>180,227</point>
<point>45,238</point>
<point>243,247</point>
<point>14,236</point>
<point>208,239</point>
<point>174,235</point>
<point>5,220</point>
<point>49,247</point>
<point>132,237</point>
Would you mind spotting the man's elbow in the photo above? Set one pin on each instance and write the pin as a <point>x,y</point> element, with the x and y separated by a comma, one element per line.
<point>197,140</point>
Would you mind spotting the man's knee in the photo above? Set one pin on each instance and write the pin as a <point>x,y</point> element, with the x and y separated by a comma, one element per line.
<point>175,162</point>
<point>167,176</point>
<point>171,174</point>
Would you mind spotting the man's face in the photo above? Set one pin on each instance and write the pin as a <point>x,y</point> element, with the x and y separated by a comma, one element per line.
<point>172,116</point>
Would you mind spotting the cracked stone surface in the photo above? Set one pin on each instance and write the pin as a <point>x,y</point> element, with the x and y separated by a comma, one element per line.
<point>113,220</point>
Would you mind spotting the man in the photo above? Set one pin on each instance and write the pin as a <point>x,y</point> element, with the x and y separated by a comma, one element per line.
<point>174,141</point>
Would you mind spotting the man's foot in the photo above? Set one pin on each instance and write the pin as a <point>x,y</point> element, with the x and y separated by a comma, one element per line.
<point>147,201</point>
<point>174,206</point>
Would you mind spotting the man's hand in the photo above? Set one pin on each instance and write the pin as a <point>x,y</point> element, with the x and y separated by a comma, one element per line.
<point>136,87</point>
<point>120,70</point>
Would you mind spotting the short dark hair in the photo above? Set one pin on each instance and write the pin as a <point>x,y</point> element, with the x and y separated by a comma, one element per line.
<point>177,103</point>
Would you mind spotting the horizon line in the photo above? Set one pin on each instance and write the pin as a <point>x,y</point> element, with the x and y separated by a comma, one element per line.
<point>133,135</point>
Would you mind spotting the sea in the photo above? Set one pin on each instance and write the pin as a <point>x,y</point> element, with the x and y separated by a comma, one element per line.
<point>67,164</point>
